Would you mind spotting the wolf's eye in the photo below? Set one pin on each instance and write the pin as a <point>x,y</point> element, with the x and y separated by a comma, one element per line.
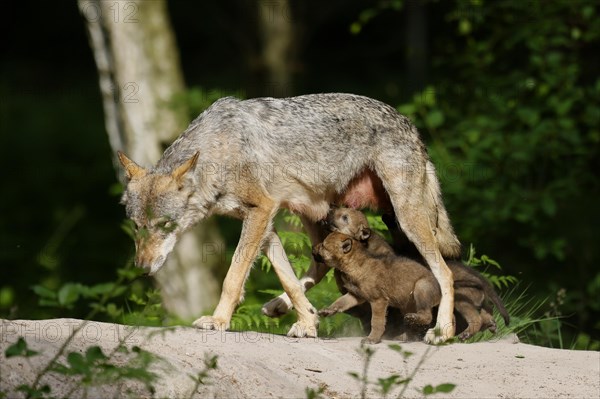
<point>166,225</point>
<point>345,218</point>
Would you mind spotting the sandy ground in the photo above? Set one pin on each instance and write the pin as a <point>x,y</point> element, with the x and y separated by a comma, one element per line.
<point>271,366</point>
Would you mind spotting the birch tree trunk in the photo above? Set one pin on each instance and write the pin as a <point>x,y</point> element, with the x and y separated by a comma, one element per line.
<point>277,39</point>
<point>139,72</point>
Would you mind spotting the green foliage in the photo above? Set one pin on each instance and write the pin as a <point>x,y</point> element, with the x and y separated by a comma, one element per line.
<point>511,117</point>
<point>386,385</point>
<point>19,348</point>
<point>312,393</point>
<point>498,281</point>
<point>95,368</point>
<point>90,369</point>
<point>442,388</point>
<point>127,300</point>
<point>202,376</point>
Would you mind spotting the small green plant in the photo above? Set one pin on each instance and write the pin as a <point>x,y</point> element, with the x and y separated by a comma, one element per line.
<point>201,377</point>
<point>386,386</point>
<point>483,262</point>
<point>312,393</point>
<point>95,367</point>
<point>128,300</point>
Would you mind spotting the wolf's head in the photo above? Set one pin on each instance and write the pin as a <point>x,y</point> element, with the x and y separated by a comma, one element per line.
<point>158,205</point>
<point>334,250</point>
<point>349,221</point>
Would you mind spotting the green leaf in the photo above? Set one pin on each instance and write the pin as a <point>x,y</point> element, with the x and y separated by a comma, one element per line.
<point>69,294</point>
<point>434,119</point>
<point>407,109</point>
<point>94,353</point>
<point>34,393</point>
<point>43,292</point>
<point>386,384</point>
<point>19,348</point>
<point>445,388</point>
<point>77,363</point>
<point>354,375</point>
<point>442,388</point>
<point>395,347</point>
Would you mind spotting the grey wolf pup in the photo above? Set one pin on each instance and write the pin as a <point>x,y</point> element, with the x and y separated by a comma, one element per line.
<point>381,281</point>
<point>248,159</point>
<point>472,292</point>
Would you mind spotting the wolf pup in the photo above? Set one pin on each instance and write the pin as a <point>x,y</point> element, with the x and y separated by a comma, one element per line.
<point>472,292</point>
<point>381,281</point>
<point>248,159</point>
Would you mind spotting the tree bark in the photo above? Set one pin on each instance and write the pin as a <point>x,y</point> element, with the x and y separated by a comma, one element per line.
<point>139,72</point>
<point>277,39</point>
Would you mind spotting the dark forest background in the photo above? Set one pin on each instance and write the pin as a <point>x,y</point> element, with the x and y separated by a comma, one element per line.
<point>505,94</point>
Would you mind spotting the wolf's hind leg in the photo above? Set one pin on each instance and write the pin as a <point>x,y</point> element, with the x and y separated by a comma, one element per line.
<point>426,295</point>
<point>414,203</point>
<point>472,316</point>
<point>308,320</point>
<point>282,304</point>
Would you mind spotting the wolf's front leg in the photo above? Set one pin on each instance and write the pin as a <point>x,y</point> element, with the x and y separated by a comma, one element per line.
<point>254,227</point>
<point>283,304</point>
<point>308,321</point>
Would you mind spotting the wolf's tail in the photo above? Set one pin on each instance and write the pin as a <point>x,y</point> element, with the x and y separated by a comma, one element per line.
<point>448,243</point>
<point>490,292</point>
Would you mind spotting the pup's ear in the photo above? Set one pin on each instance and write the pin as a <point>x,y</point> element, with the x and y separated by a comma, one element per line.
<point>132,169</point>
<point>347,245</point>
<point>364,233</point>
<point>185,167</point>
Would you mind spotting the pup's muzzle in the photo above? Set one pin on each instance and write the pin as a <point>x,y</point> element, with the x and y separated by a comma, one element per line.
<point>316,253</point>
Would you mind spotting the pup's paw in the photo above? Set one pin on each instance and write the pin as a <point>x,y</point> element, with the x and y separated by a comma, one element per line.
<point>370,340</point>
<point>412,320</point>
<point>492,327</point>
<point>277,307</point>
<point>302,329</point>
<point>211,323</point>
<point>328,312</point>
<point>463,336</point>
<point>434,336</point>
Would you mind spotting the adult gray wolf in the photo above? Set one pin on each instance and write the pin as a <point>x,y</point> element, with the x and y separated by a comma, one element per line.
<point>473,294</point>
<point>249,158</point>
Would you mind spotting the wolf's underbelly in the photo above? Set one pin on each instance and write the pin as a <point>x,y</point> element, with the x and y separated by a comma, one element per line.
<point>365,190</point>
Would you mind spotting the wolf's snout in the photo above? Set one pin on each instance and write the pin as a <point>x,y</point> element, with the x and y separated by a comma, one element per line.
<point>316,253</point>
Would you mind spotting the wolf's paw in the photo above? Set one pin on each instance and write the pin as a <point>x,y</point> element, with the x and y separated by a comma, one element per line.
<point>328,312</point>
<point>371,341</point>
<point>463,336</point>
<point>277,306</point>
<point>302,329</point>
<point>435,336</point>
<point>413,320</point>
<point>492,327</point>
<point>211,323</point>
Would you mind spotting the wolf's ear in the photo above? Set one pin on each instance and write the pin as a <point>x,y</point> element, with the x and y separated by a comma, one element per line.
<point>347,245</point>
<point>185,167</point>
<point>132,169</point>
<point>364,233</point>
